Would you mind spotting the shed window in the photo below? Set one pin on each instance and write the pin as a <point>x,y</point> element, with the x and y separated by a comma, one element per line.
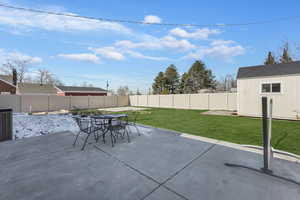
<point>266,87</point>
<point>275,87</point>
<point>271,87</point>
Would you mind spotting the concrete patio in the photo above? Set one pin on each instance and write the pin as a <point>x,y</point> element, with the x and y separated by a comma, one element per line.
<point>159,164</point>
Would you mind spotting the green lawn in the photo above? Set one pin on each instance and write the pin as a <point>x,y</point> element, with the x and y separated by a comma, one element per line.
<point>241,130</point>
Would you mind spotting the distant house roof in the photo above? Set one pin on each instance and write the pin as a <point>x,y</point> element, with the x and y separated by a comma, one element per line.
<point>6,84</point>
<point>269,70</point>
<point>36,88</point>
<point>7,78</point>
<point>80,89</point>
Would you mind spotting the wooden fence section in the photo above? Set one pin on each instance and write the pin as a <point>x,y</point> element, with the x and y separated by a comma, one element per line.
<point>47,103</point>
<point>205,101</point>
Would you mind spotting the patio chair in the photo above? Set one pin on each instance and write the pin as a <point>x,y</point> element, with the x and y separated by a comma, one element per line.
<point>99,125</point>
<point>84,124</point>
<point>135,115</point>
<point>119,127</point>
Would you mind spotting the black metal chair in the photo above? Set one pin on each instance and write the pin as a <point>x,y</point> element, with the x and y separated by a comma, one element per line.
<point>99,125</point>
<point>85,126</point>
<point>119,127</point>
<point>135,115</point>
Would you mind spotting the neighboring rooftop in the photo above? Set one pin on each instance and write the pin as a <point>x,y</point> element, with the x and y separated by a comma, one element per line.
<point>36,88</point>
<point>269,70</point>
<point>7,78</point>
<point>79,89</point>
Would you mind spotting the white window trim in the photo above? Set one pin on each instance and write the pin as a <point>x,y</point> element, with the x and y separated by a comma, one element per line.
<point>270,93</point>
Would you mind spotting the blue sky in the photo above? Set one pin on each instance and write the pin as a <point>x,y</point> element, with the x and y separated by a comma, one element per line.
<point>80,51</point>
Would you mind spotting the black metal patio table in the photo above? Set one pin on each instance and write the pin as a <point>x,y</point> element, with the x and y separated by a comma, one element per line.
<point>109,126</point>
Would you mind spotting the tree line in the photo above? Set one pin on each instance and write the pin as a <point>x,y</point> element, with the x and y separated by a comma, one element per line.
<point>196,78</point>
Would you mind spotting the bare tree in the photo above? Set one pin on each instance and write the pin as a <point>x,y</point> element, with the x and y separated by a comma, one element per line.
<point>21,65</point>
<point>123,91</point>
<point>53,79</point>
<point>43,75</point>
<point>226,83</point>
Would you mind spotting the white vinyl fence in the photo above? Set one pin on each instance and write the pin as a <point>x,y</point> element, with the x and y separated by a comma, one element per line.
<point>47,103</point>
<point>204,101</point>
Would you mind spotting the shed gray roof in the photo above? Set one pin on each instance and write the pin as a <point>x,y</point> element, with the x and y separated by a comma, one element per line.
<point>80,89</point>
<point>269,70</point>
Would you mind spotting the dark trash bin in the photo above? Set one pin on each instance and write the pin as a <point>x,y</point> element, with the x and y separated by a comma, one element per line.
<point>6,124</point>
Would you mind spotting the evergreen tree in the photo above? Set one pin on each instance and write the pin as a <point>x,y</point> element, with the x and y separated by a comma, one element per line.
<point>270,60</point>
<point>184,81</point>
<point>172,79</point>
<point>285,58</point>
<point>209,80</point>
<point>199,78</point>
<point>159,83</point>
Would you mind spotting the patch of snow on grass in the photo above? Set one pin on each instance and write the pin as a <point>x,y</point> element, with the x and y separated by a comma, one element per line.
<point>25,125</point>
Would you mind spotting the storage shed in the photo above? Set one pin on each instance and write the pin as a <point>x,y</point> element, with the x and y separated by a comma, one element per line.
<point>281,82</point>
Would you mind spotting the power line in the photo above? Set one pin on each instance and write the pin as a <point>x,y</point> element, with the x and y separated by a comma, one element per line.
<point>141,22</point>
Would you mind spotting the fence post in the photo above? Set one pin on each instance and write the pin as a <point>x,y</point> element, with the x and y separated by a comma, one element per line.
<point>20,103</point>
<point>48,110</point>
<point>147,100</point>
<point>173,101</point>
<point>104,101</point>
<point>70,102</point>
<point>208,101</point>
<point>159,100</point>
<point>227,104</point>
<point>189,96</point>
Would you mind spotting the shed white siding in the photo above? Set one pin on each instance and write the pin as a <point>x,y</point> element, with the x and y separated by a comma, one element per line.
<point>286,103</point>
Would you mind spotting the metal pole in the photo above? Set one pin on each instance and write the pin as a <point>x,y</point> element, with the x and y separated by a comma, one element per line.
<point>265,131</point>
<point>270,128</point>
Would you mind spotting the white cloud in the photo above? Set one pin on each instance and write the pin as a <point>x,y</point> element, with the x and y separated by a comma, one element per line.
<point>19,56</point>
<point>158,43</point>
<point>82,57</point>
<point>222,42</point>
<point>151,19</point>
<point>219,51</point>
<point>140,55</point>
<point>21,19</point>
<point>108,52</point>
<point>197,34</point>
<point>172,42</point>
<point>145,44</point>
